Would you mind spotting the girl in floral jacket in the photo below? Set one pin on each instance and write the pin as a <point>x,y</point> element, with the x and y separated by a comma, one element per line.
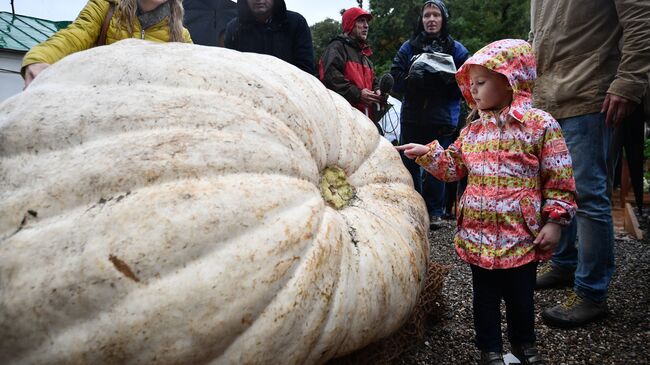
<point>520,192</point>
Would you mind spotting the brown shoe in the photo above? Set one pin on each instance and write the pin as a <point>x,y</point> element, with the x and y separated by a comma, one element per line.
<point>552,276</point>
<point>491,358</point>
<point>574,312</point>
<point>527,354</point>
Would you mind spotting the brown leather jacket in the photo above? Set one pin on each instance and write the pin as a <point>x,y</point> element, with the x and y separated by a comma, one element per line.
<point>586,49</point>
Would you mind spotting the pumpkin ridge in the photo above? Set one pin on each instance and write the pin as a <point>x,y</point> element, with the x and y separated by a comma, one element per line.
<point>417,249</point>
<point>87,180</point>
<point>151,285</point>
<point>15,225</point>
<point>366,158</point>
<point>107,129</point>
<point>297,268</point>
<point>107,138</point>
<point>362,205</point>
<point>336,303</point>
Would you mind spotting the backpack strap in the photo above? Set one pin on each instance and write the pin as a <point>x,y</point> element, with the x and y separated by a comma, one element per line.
<point>101,41</point>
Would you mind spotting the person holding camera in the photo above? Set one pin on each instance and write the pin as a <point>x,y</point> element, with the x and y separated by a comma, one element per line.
<point>423,72</point>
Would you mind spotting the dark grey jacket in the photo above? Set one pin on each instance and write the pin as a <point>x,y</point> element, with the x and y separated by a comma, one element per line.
<point>286,35</point>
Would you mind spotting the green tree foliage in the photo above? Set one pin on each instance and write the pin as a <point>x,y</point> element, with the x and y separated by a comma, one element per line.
<point>322,33</point>
<point>474,23</point>
<point>393,23</point>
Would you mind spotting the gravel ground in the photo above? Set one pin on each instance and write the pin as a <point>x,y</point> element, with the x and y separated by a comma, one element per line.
<point>621,338</point>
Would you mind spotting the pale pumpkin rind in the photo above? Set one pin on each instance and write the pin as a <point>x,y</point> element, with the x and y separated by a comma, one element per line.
<point>161,203</point>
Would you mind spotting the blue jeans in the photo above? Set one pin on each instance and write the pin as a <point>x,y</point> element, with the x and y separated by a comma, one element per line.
<point>514,286</point>
<point>592,256</point>
<point>431,189</point>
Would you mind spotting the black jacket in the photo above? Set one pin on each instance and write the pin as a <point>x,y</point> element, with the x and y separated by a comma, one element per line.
<point>207,19</point>
<point>286,35</point>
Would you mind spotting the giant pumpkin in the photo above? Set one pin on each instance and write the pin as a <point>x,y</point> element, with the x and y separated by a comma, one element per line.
<point>178,204</point>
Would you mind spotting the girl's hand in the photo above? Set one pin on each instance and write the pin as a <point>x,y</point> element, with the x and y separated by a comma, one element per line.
<point>32,71</point>
<point>549,236</point>
<point>413,150</point>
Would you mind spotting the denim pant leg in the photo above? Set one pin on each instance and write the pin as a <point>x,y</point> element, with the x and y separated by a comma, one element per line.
<point>487,294</point>
<point>433,190</point>
<point>588,140</point>
<point>518,294</point>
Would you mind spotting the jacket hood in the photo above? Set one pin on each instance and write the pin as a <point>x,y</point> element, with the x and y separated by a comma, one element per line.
<point>512,58</point>
<point>444,30</point>
<point>246,15</point>
<point>350,16</point>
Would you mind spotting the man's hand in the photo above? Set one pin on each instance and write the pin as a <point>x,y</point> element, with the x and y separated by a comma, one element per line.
<point>616,109</point>
<point>368,97</point>
<point>32,71</point>
<point>383,98</point>
<point>413,150</point>
<point>548,237</point>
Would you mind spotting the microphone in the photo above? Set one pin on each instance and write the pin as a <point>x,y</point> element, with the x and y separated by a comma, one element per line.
<point>386,83</point>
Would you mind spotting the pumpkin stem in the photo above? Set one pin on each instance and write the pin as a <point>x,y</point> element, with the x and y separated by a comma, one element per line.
<point>334,187</point>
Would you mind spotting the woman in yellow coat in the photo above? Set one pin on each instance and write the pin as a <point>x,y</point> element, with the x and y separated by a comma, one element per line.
<point>154,20</point>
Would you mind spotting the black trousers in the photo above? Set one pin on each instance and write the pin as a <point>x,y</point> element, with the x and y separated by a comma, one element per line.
<point>629,136</point>
<point>431,189</point>
<point>515,286</point>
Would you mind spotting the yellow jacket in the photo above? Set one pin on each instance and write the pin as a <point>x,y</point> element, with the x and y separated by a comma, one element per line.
<point>83,33</point>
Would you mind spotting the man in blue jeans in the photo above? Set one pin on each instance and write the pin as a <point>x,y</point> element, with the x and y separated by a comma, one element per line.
<point>589,85</point>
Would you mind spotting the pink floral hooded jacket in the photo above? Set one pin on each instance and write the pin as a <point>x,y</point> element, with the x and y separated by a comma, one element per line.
<point>518,166</point>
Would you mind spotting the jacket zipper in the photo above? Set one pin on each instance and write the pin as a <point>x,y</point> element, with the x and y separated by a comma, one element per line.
<point>142,34</point>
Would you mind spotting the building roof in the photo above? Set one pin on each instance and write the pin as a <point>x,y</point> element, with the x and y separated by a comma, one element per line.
<point>20,33</point>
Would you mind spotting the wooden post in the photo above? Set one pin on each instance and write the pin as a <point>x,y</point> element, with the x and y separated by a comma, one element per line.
<point>631,224</point>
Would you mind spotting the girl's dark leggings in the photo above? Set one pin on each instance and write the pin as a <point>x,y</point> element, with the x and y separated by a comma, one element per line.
<point>515,286</point>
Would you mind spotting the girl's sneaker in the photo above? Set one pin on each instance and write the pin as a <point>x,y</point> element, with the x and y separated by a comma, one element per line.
<point>527,354</point>
<point>491,358</point>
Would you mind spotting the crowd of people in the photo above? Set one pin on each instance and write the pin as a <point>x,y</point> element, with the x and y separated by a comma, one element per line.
<point>533,152</point>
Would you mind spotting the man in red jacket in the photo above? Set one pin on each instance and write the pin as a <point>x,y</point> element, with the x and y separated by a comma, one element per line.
<point>345,67</point>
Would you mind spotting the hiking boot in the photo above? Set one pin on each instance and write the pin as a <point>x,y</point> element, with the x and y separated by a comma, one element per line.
<point>448,217</point>
<point>574,312</point>
<point>527,354</point>
<point>436,223</point>
<point>491,358</point>
<point>552,276</point>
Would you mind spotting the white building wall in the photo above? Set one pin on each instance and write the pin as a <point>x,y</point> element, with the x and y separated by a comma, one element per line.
<point>11,83</point>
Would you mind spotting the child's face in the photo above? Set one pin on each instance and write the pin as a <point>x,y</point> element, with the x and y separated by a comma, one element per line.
<point>490,90</point>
